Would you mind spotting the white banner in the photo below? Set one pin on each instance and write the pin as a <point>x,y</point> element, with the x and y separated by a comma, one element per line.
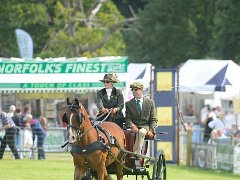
<point>25,43</point>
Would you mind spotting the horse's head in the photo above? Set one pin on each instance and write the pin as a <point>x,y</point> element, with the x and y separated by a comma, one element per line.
<point>74,117</point>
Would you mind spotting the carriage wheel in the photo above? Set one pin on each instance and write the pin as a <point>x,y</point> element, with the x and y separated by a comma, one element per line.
<point>159,168</point>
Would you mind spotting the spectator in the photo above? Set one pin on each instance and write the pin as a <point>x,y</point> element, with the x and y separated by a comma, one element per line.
<point>16,118</point>
<point>11,111</point>
<point>38,126</point>
<point>25,140</point>
<point>190,111</point>
<point>9,137</point>
<point>93,111</point>
<point>218,123</point>
<point>26,110</point>
<point>28,141</point>
<point>204,113</point>
<point>210,117</point>
<point>230,122</point>
<point>218,110</point>
<point>111,98</point>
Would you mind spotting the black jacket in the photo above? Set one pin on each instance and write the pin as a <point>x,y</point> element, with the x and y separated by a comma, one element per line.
<point>116,101</point>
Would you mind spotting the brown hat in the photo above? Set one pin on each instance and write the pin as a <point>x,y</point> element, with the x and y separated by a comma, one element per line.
<point>110,77</point>
<point>138,85</point>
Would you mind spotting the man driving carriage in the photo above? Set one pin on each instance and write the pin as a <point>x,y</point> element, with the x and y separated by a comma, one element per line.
<point>111,98</point>
<point>140,116</point>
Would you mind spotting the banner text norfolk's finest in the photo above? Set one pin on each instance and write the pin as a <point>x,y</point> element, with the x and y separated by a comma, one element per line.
<point>62,67</point>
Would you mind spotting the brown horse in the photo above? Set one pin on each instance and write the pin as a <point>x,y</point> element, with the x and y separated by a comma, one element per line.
<point>93,147</point>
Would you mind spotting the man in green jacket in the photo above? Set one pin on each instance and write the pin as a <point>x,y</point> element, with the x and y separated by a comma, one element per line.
<point>140,116</point>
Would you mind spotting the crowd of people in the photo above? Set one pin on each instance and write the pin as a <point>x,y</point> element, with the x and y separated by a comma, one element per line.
<point>216,123</point>
<point>20,132</point>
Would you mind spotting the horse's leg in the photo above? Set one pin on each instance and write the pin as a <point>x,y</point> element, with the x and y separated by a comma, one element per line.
<point>78,173</point>
<point>119,167</point>
<point>102,171</point>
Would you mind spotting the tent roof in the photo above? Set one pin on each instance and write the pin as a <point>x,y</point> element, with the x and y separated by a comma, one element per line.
<point>204,75</point>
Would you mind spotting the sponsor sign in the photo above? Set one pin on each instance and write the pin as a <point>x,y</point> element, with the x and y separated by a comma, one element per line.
<point>116,66</point>
<point>204,155</point>
<point>225,156</point>
<point>25,43</point>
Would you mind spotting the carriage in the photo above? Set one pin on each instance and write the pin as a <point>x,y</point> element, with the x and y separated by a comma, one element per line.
<point>157,163</point>
<point>103,148</point>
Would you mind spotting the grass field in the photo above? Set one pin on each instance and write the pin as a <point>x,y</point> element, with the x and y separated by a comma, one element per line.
<point>60,167</point>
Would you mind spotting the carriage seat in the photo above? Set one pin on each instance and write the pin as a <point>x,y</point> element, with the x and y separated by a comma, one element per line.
<point>130,139</point>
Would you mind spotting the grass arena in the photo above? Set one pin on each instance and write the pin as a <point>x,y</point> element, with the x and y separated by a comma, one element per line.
<point>59,166</point>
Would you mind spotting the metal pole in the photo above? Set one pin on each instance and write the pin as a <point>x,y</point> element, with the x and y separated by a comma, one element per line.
<point>178,116</point>
<point>151,83</point>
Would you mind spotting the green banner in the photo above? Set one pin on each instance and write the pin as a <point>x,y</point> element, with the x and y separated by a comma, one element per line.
<point>8,66</point>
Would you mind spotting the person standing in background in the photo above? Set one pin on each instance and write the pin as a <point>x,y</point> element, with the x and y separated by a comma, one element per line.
<point>207,130</point>
<point>9,137</point>
<point>24,132</point>
<point>16,118</point>
<point>11,111</point>
<point>26,110</point>
<point>38,126</point>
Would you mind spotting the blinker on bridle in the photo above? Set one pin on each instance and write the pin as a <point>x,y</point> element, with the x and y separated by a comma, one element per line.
<point>74,109</point>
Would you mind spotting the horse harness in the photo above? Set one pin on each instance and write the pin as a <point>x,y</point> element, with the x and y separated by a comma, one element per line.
<point>97,145</point>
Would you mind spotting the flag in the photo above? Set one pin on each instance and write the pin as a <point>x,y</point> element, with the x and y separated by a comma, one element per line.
<point>25,43</point>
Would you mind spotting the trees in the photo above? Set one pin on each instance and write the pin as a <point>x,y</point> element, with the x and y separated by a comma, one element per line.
<point>166,33</point>
<point>226,32</point>
<point>64,28</point>
<point>170,32</point>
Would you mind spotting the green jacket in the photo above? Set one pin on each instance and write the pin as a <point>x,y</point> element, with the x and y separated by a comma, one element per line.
<point>146,119</point>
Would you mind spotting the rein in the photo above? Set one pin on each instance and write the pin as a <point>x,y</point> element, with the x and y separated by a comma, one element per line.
<point>95,124</point>
<point>78,128</point>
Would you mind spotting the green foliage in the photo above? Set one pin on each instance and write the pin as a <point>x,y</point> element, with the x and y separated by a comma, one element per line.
<point>61,29</point>
<point>170,32</point>
<point>166,33</point>
<point>226,39</point>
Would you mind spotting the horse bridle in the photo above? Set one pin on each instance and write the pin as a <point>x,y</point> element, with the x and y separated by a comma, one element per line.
<point>74,108</point>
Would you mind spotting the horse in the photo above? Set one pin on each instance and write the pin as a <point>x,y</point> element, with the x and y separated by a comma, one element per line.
<point>93,146</point>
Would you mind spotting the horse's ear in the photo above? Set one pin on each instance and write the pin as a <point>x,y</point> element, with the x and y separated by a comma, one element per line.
<point>67,101</point>
<point>76,100</point>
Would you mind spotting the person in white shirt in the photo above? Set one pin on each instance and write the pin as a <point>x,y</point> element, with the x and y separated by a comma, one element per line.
<point>111,98</point>
<point>218,123</point>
